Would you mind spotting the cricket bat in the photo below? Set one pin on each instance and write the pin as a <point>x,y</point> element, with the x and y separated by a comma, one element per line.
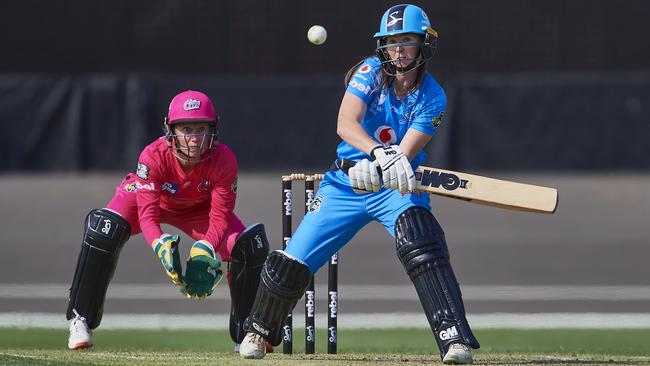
<point>486,191</point>
<point>483,190</point>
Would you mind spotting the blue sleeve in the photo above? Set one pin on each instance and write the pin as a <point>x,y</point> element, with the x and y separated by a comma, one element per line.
<point>430,115</point>
<point>364,81</point>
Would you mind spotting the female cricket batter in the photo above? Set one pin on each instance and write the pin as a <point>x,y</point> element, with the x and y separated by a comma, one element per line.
<point>391,109</point>
<point>186,179</point>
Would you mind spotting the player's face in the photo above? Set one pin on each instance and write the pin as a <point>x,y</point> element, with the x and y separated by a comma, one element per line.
<point>403,48</point>
<point>193,138</point>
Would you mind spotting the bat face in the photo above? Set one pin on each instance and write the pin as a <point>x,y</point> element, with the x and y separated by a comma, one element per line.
<point>487,191</point>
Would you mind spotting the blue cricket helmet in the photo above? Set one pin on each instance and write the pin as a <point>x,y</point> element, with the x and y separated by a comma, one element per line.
<point>401,19</point>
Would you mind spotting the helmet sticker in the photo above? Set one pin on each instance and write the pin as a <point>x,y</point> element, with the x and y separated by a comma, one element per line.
<point>395,19</point>
<point>191,104</point>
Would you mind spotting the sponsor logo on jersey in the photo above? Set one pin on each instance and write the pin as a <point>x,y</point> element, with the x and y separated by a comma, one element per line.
<point>148,186</point>
<point>191,104</point>
<point>169,187</point>
<point>365,69</point>
<point>386,135</point>
<point>365,89</point>
<point>143,171</point>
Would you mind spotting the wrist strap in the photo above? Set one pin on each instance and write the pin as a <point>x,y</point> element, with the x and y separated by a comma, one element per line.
<point>372,152</point>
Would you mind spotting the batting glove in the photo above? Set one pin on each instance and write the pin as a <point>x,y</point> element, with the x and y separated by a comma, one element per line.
<point>203,272</point>
<point>365,177</point>
<point>167,250</point>
<point>396,168</point>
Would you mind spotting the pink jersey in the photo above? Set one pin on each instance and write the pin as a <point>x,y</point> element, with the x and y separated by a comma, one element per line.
<point>164,190</point>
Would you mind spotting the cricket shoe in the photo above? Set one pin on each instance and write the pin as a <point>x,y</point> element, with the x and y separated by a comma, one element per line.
<point>80,335</point>
<point>458,354</point>
<point>253,346</point>
<point>269,348</point>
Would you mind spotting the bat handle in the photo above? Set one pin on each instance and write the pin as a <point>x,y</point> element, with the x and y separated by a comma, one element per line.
<point>346,164</point>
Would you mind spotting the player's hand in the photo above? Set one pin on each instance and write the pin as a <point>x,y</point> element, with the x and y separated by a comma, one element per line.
<point>365,177</point>
<point>396,168</point>
<point>203,272</point>
<point>166,248</point>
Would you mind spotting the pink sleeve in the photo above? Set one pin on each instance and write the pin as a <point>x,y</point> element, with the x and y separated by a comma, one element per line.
<point>223,198</point>
<point>148,196</point>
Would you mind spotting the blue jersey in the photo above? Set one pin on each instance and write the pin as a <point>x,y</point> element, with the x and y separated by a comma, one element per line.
<point>338,212</point>
<point>387,118</point>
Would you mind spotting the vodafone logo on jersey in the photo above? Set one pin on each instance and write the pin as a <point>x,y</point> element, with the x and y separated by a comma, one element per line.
<point>365,69</point>
<point>385,135</point>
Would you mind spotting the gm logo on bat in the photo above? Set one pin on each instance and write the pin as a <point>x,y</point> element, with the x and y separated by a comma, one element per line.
<point>435,179</point>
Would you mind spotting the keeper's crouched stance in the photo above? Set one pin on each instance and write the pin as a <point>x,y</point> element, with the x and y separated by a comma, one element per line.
<point>187,179</point>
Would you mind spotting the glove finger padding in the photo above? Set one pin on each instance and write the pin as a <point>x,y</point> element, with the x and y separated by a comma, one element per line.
<point>353,174</point>
<point>364,177</point>
<point>166,248</point>
<point>203,272</point>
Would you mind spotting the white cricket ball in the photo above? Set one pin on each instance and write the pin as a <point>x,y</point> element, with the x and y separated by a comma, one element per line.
<point>317,34</point>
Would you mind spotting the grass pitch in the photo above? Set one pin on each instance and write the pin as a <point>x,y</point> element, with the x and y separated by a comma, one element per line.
<point>402,347</point>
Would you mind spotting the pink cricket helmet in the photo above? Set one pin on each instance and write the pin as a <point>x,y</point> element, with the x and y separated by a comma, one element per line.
<point>191,106</point>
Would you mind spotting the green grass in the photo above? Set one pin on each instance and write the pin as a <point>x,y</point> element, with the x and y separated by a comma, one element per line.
<point>357,347</point>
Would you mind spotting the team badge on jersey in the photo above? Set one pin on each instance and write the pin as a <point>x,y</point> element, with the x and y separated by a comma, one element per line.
<point>314,206</point>
<point>385,135</point>
<point>204,186</point>
<point>437,120</point>
<point>143,171</point>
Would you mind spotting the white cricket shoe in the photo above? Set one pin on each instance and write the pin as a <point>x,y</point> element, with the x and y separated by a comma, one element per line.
<point>253,346</point>
<point>458,354</point>
<point>269,348</point>
<point>80,335</point>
